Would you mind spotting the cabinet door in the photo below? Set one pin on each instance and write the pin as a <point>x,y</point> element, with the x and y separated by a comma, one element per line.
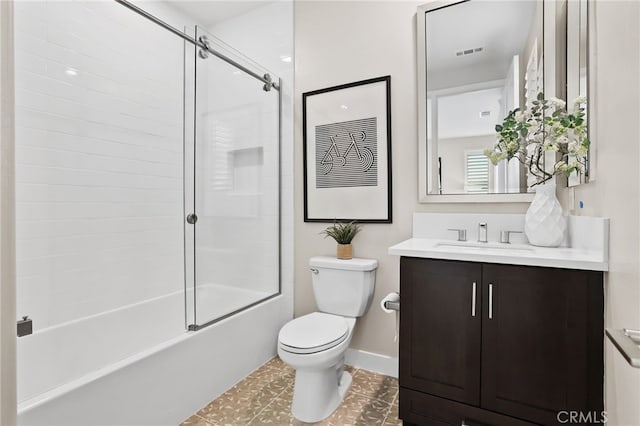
<point>541,341</point>
<point>440,328</point>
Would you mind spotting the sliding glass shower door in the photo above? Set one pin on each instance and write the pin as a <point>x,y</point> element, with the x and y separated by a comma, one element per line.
<point>232,208</point>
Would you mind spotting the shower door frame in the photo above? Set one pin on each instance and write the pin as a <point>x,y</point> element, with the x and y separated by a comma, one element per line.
<point>269,84</point>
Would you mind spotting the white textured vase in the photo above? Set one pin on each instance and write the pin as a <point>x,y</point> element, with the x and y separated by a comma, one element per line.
<point>544,224</point>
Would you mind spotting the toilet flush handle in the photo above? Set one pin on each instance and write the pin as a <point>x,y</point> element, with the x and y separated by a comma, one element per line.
<point>315,271</point>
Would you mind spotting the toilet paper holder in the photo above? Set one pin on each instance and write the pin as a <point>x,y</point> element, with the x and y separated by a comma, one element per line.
<point>394,306</point>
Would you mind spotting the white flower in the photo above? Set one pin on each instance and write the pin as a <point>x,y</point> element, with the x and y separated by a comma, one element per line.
<point>551,147</point>
<point>579,100</point>
<point>583,151</point>
<point>546,127</point>
<point>491,155</point>
<point>495,157</point>
<point>521,117</point>
<point>557,103</point>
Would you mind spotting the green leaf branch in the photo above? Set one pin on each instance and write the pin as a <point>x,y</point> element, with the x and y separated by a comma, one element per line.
<point>546,127</point>
<point>343,233</point>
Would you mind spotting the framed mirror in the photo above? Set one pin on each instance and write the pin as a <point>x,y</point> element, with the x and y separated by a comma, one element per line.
<point>578,76</point>
<point>477,60</point>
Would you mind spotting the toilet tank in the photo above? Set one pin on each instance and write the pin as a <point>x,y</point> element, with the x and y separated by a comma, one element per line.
<point>343,287</point>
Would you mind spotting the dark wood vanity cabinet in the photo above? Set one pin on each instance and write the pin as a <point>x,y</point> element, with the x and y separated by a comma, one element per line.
<point>499,344</point>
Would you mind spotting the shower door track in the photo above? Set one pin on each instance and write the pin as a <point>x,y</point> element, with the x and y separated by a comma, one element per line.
<point>266,78</point>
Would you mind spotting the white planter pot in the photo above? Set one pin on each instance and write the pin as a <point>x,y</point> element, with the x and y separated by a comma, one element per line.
<point>544,224</point>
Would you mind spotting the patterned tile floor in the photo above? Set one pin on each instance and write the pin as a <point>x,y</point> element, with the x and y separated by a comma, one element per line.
<point>264,398</point>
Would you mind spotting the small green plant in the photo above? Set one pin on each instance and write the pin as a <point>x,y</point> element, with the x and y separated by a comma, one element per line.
<point>343,233</point>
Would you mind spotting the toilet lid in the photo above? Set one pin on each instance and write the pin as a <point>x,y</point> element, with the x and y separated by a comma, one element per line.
<point>312,333</point>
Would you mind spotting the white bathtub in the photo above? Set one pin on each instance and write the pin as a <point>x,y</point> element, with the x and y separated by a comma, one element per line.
<point>137,364</point>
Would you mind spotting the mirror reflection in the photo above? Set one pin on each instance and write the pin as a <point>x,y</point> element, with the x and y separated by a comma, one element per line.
<point>483,59</point>
<point>577,70</point>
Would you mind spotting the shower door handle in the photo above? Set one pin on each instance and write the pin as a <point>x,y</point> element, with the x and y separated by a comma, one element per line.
<point>192,218</point>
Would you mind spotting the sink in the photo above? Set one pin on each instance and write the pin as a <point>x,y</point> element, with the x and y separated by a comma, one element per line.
<point>481,246</point>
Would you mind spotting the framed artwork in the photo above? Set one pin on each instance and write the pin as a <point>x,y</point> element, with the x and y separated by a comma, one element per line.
<point>347,152</point>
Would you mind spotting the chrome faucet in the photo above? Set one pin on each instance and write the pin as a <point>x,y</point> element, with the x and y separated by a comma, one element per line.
<point>482,232</point>
<point>462,233</point>
<point>504,236</point>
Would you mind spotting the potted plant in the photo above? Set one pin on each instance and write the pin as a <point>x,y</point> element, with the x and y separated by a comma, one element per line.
<point>343,233</point>
<point>548,127</point>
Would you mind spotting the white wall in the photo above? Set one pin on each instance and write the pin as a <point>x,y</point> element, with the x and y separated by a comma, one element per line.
<point>615,194</point>
<point>384,43</point>
<point>7,221</point>
<point>364,40</point>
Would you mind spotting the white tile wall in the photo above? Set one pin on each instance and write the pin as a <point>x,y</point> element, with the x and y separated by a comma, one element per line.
<point>99,144</point>
<point>99,160</point>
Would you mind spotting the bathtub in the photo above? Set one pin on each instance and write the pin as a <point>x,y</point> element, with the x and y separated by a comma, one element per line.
<point>138,365</point>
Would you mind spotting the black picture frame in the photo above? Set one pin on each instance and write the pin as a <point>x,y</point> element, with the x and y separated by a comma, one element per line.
<point>347,152</point>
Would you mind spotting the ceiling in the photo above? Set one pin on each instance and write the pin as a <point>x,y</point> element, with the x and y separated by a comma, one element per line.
<point>210,12</point>
<point>459,114</point>
<point>500,28</point>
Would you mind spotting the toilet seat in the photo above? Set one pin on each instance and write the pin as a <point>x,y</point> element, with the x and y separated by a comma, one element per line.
<point>312,333</point>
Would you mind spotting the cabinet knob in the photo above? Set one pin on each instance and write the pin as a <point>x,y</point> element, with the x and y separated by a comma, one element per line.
<point>473,299</point>
<point>490,301</point>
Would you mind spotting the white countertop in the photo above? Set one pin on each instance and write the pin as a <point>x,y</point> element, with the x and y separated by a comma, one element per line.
<point>512,254</point>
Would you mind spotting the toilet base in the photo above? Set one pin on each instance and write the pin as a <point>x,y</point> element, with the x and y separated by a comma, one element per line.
<point>317,393</point>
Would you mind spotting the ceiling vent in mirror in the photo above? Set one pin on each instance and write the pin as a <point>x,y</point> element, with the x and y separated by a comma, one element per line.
<point>469,51</point>
<point>485,114</point>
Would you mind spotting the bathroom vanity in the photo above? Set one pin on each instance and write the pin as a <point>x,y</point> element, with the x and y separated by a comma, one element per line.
<point>500,334</point>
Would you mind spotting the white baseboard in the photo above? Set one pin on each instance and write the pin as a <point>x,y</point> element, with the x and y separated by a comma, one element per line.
<point>382,364</point>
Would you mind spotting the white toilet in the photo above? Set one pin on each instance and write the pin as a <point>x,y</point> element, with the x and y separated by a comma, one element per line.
<point>315,344</point>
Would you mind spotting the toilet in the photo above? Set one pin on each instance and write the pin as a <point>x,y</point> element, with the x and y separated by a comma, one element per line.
<point>315,344</point>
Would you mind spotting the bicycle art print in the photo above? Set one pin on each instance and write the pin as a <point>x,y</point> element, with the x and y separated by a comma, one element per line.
<point>346,154</point>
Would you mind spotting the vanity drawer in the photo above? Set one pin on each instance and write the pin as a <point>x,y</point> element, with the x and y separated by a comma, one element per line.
<point>428,410</point>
